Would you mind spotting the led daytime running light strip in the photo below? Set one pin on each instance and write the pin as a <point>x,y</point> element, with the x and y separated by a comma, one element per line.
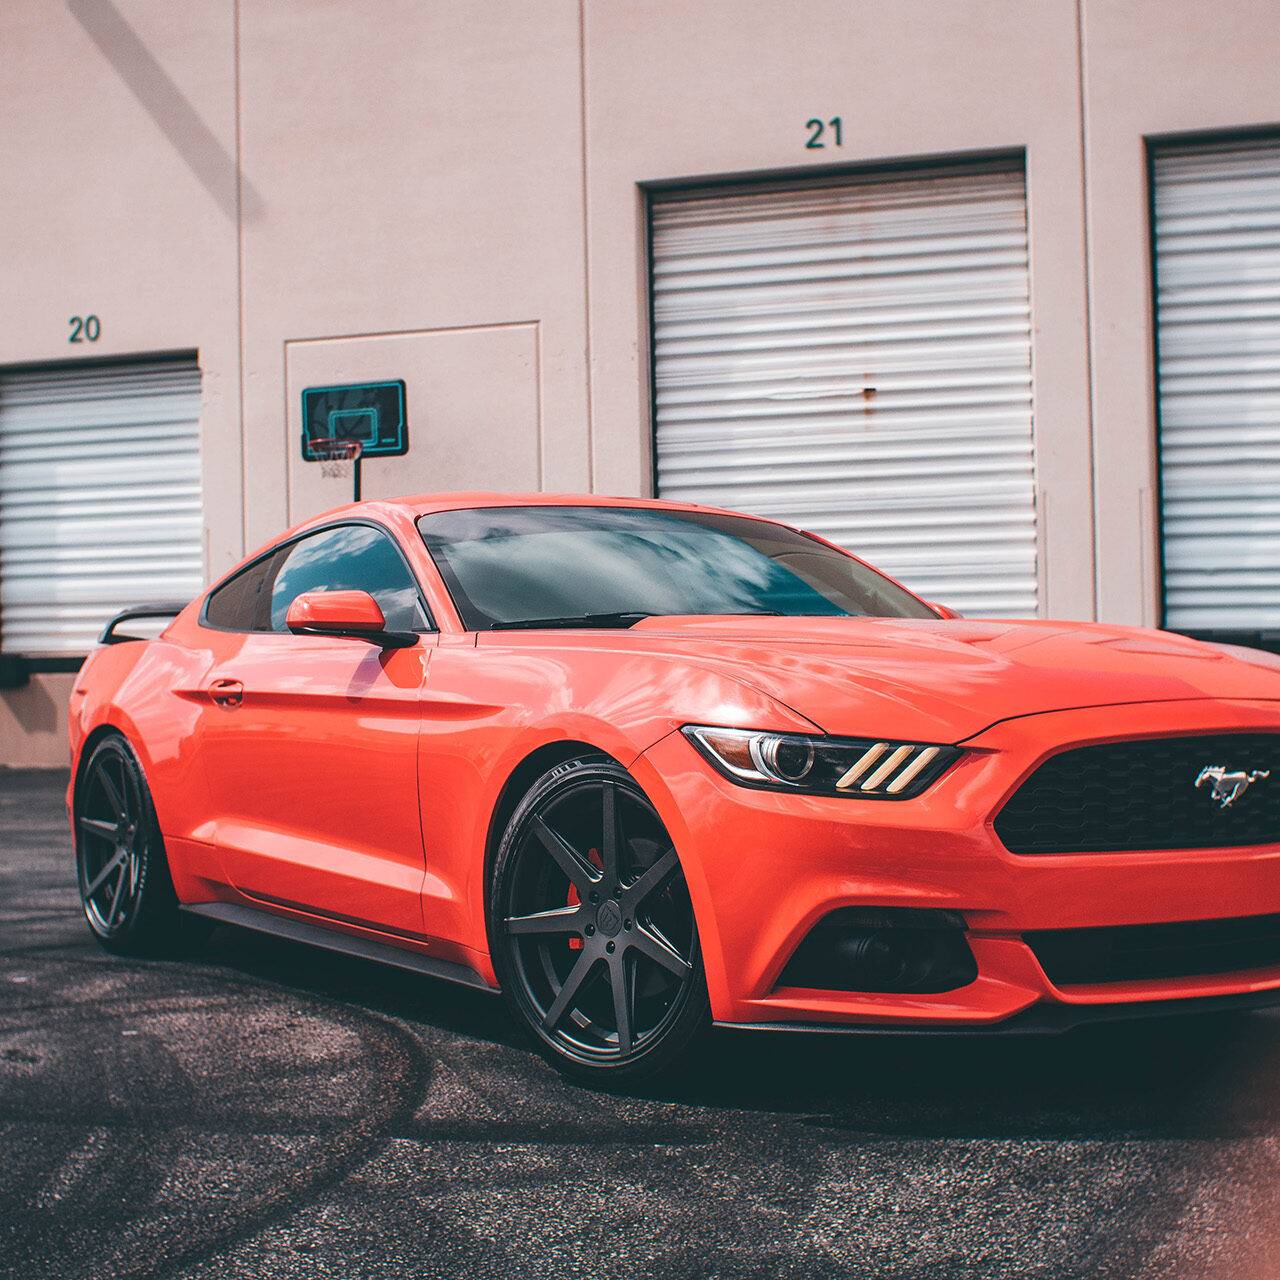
<point>873,754</point>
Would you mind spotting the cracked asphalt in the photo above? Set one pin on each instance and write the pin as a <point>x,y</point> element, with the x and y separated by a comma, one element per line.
<point>261,1110</point>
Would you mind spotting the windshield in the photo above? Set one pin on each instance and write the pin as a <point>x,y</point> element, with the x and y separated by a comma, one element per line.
<point>611,566</point>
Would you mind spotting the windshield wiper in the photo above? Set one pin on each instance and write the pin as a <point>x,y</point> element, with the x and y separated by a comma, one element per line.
<point>623,618</point>
<point>619,619</point>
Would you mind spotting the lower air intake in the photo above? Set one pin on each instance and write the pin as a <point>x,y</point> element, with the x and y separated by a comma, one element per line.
<point>1149,952</point>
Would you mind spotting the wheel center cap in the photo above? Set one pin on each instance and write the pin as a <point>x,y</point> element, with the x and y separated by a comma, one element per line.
<point>609,918</point>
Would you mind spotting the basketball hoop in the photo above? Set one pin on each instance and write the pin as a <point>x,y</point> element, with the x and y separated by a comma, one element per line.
<point>339,457</point>
<point>344,424</point>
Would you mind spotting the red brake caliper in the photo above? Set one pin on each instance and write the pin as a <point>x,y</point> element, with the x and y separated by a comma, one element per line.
<point>593,857</point>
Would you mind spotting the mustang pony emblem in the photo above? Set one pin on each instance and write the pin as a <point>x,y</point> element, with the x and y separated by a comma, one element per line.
<point>1229,787</point>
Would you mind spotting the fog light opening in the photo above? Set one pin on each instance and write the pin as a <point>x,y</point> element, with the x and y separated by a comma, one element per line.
<point>881,958</point>
<point>883,950</point>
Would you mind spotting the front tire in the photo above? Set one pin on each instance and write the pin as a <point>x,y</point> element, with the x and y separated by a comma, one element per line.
<point>592,931</point>
<point>125,888</point>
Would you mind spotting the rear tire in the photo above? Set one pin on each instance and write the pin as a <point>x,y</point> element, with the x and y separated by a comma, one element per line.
<point>121,867</point>
<point>591,928</point>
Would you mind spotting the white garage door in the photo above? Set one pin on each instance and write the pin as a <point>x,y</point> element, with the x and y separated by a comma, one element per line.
<point>99,498</point>
<point>855,358</point>
<point>1217,240</point>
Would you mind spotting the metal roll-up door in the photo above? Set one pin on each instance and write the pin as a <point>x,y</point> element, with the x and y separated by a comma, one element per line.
<point>99,498</point>
<point>854,357</point>
<point>1217,251</point>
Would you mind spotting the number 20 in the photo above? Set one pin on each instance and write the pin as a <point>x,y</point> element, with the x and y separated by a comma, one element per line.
<point>818,128</point>
<point>84,329</point>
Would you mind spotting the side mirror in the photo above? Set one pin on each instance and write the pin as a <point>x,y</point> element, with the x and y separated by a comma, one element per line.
<point>354,615</point>
<point>943,610</point>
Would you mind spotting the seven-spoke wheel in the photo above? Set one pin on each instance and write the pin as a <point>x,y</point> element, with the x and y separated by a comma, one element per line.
<point>124,879</point>
<point>594,933</point>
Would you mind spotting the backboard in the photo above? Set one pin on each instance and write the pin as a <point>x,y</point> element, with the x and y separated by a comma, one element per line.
<point>372,413</point>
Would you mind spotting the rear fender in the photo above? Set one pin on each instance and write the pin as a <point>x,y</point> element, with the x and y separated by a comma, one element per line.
<point>133,689</point>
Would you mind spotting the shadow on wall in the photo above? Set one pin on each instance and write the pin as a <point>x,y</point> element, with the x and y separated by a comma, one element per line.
<point>165,103</point>
<point>32,709</point>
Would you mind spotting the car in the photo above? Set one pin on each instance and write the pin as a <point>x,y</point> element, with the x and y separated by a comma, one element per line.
<point>646,766</point>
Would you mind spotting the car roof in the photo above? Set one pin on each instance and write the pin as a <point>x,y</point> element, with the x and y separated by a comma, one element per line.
<point>423,504</point>
<point>428,503</point>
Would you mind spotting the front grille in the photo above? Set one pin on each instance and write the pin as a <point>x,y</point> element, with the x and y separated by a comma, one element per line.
<point>1146,952</point>
<point>1142,794</point>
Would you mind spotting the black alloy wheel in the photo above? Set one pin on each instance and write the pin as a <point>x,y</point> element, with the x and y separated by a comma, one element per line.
<point>594,936</point>
<point>125,887</point>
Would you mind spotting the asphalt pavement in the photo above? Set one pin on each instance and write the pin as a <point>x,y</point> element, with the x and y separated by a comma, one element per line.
<point>262,1110</point>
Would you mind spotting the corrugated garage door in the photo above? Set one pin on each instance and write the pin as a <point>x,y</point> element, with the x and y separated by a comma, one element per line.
<point>99,498</point>
<point>1217,241</point>
<point>855,358</point>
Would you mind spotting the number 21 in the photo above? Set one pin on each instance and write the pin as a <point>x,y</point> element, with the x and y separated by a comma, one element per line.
<point>818,128</point>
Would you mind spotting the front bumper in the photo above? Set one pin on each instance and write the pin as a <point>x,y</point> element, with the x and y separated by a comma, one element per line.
<point>763,868</point>
<point>1042,1019</point>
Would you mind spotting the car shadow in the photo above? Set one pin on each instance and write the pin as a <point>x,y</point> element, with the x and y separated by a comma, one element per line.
<point>1202,1077</point>
<point>1175,1078</point>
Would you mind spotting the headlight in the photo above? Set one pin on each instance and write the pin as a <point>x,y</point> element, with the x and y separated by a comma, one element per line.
<point>868,768</point>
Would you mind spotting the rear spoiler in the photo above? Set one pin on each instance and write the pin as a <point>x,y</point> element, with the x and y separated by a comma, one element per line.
<point>111,636</point>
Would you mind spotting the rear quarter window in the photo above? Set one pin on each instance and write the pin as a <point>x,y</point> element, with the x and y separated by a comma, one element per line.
<point>244,602</point>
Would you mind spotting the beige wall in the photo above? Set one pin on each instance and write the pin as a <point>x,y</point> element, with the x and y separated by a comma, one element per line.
<point>1179,68</point>
<point>431,185</point>
<point>117,139</point>
<point>453,193</point>
<point>680,90</point>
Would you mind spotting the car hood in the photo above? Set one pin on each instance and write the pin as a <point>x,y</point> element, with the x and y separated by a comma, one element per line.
<point>949,680</point>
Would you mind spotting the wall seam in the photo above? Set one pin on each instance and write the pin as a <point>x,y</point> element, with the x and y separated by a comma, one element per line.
<point>586,244</point>
<point>1091,399</point>
<point>541,407</point>
<point>532,323</point>
<point>240,308</point>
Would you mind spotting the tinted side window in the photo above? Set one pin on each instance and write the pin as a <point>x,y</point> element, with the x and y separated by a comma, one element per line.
<point>244,603</point>
<point>348,558</point>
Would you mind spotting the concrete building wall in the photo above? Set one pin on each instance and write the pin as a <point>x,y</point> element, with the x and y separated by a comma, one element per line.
<point>121,199</point>
<point>734,87</point>
<point>455,194</point>
<point>1149,72</point>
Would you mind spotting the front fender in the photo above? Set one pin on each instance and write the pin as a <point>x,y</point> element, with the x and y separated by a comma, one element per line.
<point>488,708</point>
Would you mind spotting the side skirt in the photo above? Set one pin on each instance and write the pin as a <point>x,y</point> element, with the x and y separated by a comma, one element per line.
<point>315,935</point>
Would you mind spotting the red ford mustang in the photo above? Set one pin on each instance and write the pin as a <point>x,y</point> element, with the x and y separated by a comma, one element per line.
<point>645,766</point>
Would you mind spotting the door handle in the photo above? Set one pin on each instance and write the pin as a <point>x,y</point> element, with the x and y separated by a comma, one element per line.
<point>227,693</point>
